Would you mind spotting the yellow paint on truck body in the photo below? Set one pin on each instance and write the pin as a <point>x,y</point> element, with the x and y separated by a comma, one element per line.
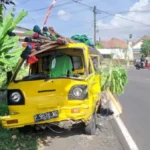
<point>55,93</point>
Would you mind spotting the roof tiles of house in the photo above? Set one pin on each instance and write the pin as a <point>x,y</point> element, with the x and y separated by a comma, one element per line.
<point>113,43</point>
<point>141,39</point>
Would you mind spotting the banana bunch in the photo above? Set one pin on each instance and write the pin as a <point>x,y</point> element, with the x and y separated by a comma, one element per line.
<point>115,78</point>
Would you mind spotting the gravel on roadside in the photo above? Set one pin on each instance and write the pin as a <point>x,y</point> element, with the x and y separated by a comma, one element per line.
<point>105,139</point>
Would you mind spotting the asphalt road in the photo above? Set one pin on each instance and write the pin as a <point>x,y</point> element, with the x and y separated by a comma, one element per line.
<point>136,107</point>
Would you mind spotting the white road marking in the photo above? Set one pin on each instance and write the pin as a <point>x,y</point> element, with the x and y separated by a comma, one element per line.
<point>132,145</point>
<point>126,134</point>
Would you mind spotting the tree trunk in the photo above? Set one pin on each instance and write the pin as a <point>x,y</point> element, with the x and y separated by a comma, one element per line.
<point>1,14</point>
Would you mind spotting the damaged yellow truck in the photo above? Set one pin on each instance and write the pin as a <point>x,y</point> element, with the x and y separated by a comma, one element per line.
<point>62,88</point>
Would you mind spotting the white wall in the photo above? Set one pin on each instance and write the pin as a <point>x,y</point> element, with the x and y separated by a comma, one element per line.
<point>116,53</point>
<point>20,30</point>
<point>105,51</point>
<point>138,45</point>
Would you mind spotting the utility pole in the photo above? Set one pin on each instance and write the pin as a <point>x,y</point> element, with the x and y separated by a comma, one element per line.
<point>129,51</point>
<point>94,11</point>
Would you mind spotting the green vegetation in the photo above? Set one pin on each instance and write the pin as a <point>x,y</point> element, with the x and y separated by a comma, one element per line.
<point>13,139</point>
<point>9,54</point>
<point>114,77</point>
<point>99,46</point>
<point>145,47</point>
<point>9,45</point>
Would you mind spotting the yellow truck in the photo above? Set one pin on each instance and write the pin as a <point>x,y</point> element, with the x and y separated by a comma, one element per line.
<point>61,88</point>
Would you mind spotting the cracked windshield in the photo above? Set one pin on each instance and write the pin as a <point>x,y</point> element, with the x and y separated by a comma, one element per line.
<point>74,74</point>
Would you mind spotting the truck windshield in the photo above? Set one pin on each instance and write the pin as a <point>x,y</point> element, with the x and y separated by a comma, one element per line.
<point>52,66</point>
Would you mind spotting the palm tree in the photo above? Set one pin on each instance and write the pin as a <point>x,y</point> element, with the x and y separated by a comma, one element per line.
<point>7,2</point>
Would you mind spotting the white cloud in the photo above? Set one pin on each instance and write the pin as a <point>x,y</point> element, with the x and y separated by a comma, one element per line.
<point>62,14</point>
<point>121,28</point>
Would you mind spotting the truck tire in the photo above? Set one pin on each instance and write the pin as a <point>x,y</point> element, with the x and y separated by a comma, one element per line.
<point>26,129</point>
<point>90,129</point>
<point>137,67</point>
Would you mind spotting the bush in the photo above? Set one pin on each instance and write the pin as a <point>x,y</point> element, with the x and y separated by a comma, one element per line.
<point>3,108</point>
<point>2,79</point>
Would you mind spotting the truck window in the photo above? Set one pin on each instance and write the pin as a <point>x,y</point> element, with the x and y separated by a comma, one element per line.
<point>95,63</point>
<point>77,62</point>
<point>23,71</point>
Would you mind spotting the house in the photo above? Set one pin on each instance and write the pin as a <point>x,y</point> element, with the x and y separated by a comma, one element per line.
<point>20,30</point>
<point>137,46</point>
<point>114,47</point>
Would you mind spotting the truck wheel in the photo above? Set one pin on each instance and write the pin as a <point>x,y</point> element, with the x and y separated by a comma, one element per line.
<point>138,68</point>
<point>26,129</point>
<point>90,129</point>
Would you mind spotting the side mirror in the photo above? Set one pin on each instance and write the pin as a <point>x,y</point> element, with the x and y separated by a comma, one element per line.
<point>9,75</point>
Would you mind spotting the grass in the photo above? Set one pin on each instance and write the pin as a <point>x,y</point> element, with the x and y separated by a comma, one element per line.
<point>13,139</point>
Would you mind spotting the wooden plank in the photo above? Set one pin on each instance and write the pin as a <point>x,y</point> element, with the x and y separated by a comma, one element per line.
<point>115,101</point>
<point>45,49</point>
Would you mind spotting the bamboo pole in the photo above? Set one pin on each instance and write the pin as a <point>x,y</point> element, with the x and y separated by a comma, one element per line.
<point>53,32</point>
<point>31,35</point>
<point>44,41</point>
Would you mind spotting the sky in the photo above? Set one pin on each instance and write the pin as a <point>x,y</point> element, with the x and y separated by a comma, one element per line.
<point>70,18</point>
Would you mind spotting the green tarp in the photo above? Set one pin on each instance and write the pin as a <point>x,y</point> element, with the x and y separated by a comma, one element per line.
<point>83,39</point>
<point>60,66</point>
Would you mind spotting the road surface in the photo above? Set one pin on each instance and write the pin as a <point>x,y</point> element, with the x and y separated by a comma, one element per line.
<point>136,107</point>
<point>105,139</point>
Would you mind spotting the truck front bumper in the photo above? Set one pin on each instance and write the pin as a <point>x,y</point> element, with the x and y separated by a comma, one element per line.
<point>65,114</point>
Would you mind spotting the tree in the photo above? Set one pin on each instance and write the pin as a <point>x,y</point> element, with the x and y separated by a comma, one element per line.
<point>99,46</point>
<point>9,43</point>
<point>145,47</point>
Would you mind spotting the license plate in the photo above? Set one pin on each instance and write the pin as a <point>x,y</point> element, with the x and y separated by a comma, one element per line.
<point>46,116</point>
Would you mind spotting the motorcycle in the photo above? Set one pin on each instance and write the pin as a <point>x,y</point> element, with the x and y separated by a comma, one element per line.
<point>139,65</point>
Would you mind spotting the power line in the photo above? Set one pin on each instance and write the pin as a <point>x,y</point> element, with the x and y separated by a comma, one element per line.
<point>26,1</point>
<point>109,13</point>
<point>76,1</point>
<point>48,7</point>
<point>94,13</point>
<point>55,15</point>
<point>124,18</point>
<point>74,11</point>
<point>120,12</point>
<point>121,28</point>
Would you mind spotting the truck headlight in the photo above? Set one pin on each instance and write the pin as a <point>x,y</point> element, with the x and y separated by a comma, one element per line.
<point>78,92</point>
<point>15,97</point>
